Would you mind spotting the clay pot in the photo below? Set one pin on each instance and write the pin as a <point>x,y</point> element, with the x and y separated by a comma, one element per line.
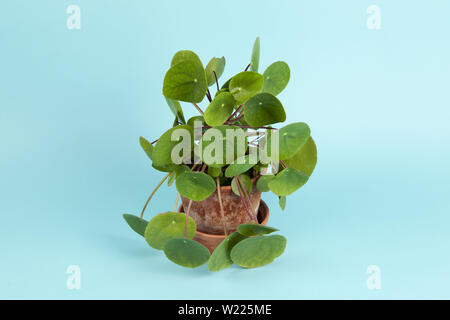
<point>211,241</point>
<point>208,216</point>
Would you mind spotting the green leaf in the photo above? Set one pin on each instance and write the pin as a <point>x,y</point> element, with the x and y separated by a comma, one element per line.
<point>185,55</point>
<point>282,202</point>
<point>305,159</point>
<point>196,118</point>
<point>186,253</point>
<point>291,139</point>
<point>146,146</point>
<point>217,65</point>
<point>276,77</point>
<point>253,229</point>
<point>166,226</point>
<point>245,85</point>
<point>262,184</point>
<point>196,186</point>
<point>220,258</point>
<point>254,64</point>
<point>214,172</point>
<point>245,180</point>
<point>165,167</point>
<point>162,153</point>
<point>258,251</point>
<point>287,181</point>
<point>220,109</point>
<point>240,165</point>
<point>263,109</point>
<point>136,223</point>
<point>185,81</point>
<point>175,107</point>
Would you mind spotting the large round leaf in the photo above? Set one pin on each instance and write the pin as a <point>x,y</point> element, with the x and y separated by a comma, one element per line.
<point>185,81</point>
<point>240,165</point>
<point>245,180</point>
<point>137,224</point>
<point>258,251</point>
<point>263,109</point>
<point>287,181</point>
<point>276,77</point>
<point>245,85</point>
<point>305,159</point>
<point>162,152</point>
<point>291,139</point>
<point>262,184</point>
<point>220,109</point>
<point>185,55</point>
<point>253,229</point>
<point>254,63</point>
<point>196,186</point>
<point>220,258</point>
<point>186,253</point>
<point>166,226</point>
<point>217,65</point>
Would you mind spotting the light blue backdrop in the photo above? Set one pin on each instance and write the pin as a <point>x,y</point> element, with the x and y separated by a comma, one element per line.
<point>73,104</point>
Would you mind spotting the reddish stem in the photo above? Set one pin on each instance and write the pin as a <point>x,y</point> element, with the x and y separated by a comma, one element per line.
<point>243,201</point>
<point>217,82</point>
<point>198,108</point>
<point>247,67</point>
<point>248,198</point>
<point>284,164</point>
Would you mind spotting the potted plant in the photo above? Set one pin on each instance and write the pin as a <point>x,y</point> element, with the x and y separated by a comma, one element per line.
<point>221,161</point>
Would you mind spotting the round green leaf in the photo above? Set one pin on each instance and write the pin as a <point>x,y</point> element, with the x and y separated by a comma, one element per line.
<point>253,229</point>
<point>175,107</point>
<point>185,81</point>
<point>262,184</point>
<point>185,55</point>
<point>162,152</point>
<point>276,77</point>
<point>287,181</point>
<point>245,85</point>
<point>146,146</point>
<point>305,159</point>
<point>291,139</point>
<point>191,121</point>
<point>258,251</point>
<point>263,109</point>
<point>186,253</point>
<point>196,186</point>
<point>220,258</point>
<point>217,65</point>
<point>166,226</point>
<point>245,180</point>
<point>220,109</point>
<point>214,172</point>
<point>254,63</point>
<point>240,165</point>
<point>136,223</point>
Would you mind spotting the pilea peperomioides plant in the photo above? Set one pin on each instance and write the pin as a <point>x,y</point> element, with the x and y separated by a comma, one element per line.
<point>221,161</point>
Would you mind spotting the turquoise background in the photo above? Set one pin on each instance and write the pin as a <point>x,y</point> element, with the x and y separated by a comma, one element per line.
<point>73,104</point>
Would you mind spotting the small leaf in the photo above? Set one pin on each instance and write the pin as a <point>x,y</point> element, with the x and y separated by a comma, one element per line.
<point>263,109</point>
<point>245,85</point>
<point>245,180</point>
<point>291,139</point>
<point>175,107</point>
<point>217,65</point>
<point>196,186</point>
<point>240,165</point>
<point>253,229</point>
<point>305,159</point>
<point>162,152</point>
<point>185,81</point>
<point>220,258</point>
<point>186,253</point>
<point>254,64</point>
<point>263,182</point>
<point>171,178</point>
<point>220,109</point>
<point>146,146</point>
<point>191,121</point>
<point>166,226</point>
<point>258,251</point>
<point>276,77</point>
<point>136,223</point>
<point>214,172</point>
<point>287,181</point>
<point>282,202</point>
<point>185,55</point>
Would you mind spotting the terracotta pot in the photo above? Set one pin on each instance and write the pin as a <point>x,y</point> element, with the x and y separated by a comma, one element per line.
<point>207,214</point>
<point>211,241</point>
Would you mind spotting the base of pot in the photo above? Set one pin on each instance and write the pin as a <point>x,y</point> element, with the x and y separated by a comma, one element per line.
<point>211,241</point>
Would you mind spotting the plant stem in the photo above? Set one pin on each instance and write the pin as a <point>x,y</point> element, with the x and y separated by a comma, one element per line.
<point>217,82</point>
<point>250,127</point>
<point>221,207</point>
<point>176,202</point>
<point>198,108</point>
<point>248,198</point>
<point>284,164</point>
<point>208,94</point>
<point>153,192</point>
<point>154,141</point>
<point>243,201</point>
<point>247,67</point>
<point>187,216</point>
